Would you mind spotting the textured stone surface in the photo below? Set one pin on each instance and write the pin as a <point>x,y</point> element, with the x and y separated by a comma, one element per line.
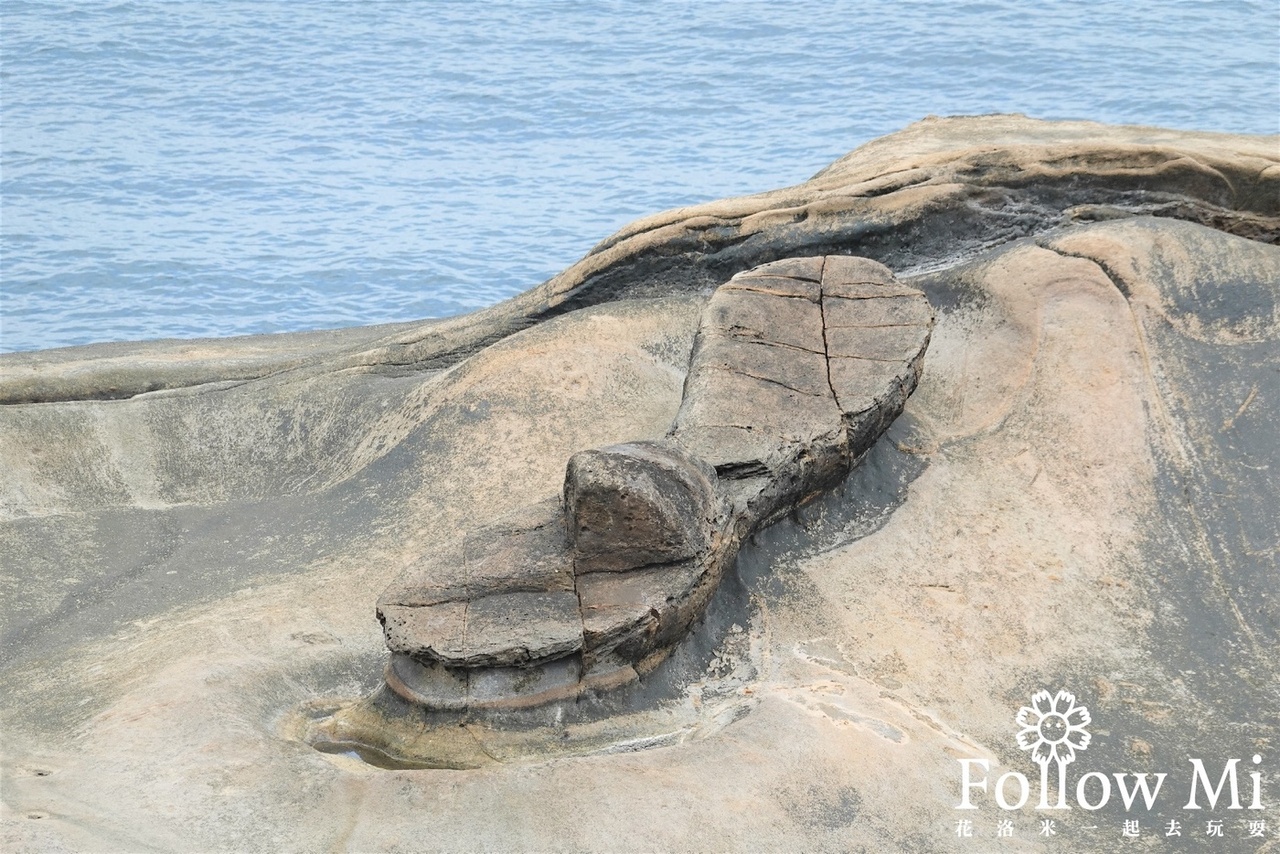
<point>627,615</point>
<point>779,421</point>
<point>526,552</point>
<point>638,504</point>
<point>1080,494</point>
<point>807,368</point>
<point>429,632</point>
<point>516,628</point>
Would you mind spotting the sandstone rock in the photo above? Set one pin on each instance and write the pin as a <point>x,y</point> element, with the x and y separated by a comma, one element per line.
<point>518,628</point>
<point>526,552</point>
<point>618,576</point>
<point>428,632</point>
<point>1079,494</point>
<point>625,616</point>
<point>812,398</point>
<point>638,504</point>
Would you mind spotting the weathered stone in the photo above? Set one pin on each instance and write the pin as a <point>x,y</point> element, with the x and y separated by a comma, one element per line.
<point>853,270</point>
<point>428,682</point>
<point>517,687</point>
<point>626,615</point>
<point>777,286</point>
<point>724,398</point>
<point>863,384</point>
<point>519,628</point>
<point>897,344</point>
<point>799,370</point>
<point>863,290</point>
<point>638,504</point>
<point>1090,460</point>
<point>752,316</point>
<point>734,451</point>
<point>430,632</point>
<point>525,552</point>
<point>438,576</point>
<point>795,268</point>
<point>885,311</point>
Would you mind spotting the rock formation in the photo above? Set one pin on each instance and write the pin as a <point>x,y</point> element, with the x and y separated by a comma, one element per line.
<point>797,368</point>
<point>1079,494</point>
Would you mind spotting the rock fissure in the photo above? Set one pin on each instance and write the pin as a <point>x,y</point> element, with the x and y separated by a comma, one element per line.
<point>763,379</point>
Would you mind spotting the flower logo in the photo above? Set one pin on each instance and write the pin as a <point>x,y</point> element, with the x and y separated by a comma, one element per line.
<point>1053,729</point>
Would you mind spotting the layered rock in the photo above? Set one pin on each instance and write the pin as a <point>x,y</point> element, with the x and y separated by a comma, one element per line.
<point>1080,494</point>
<point>798,367</point>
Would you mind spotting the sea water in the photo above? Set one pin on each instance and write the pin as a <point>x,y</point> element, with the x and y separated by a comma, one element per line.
<point>218,168</point>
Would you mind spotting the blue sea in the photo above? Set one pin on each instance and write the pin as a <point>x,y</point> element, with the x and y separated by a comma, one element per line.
<point>182,169</point>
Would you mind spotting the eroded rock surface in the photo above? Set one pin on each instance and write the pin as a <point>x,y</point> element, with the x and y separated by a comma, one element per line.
<point>798,367</point>
<point>1079,494</point>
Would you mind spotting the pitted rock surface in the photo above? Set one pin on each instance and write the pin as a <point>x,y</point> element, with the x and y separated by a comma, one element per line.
<point>798,366</point>
<point>638,504</point>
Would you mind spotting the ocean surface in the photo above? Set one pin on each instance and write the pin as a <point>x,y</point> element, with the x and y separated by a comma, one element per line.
<point>182,169</point>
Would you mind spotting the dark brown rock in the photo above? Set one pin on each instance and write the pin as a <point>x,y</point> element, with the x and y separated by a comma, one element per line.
<point>638,504</point>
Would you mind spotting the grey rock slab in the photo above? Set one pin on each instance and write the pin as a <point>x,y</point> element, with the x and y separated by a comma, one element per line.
<point>519,628</point>
<point>626,613</point>
<point>525,552</point>
<point>514,687</point>
<point>428,682</point>
<point>897,344</point>
<point>777,286</point>
<point>907,310</point>
<point>433,632</point>
<point>734,451</point>
<point>863,384</point>
<point>800,370</point>
<point>436,577</point>
<point>852,270</point>
<point>753,316</point>
<point>725,398</point>
<point>809,268</point>
<point>864,290</point>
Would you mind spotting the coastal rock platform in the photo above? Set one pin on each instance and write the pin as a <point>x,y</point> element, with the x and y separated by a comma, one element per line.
<point>1078,495</point>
